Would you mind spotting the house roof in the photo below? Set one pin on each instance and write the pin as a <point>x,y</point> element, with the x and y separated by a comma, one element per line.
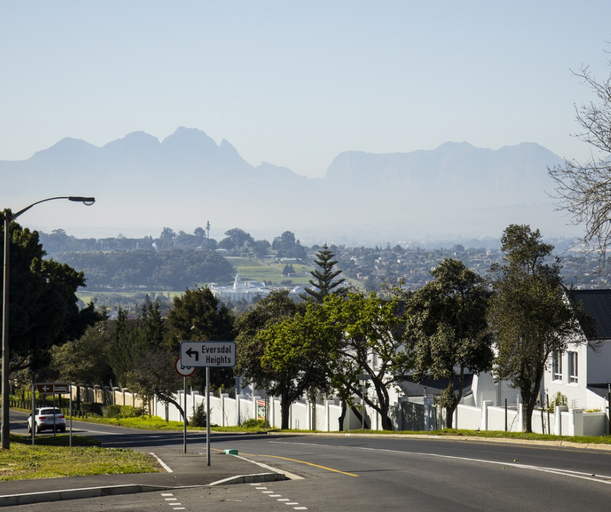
<point>430,386</point>
<point>597,304</point>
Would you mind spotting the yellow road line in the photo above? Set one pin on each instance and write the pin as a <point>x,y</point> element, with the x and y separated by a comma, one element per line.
<point>300,462</point>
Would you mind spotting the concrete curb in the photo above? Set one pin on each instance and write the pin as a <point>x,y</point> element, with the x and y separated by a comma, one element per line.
<point>75,494</point>
<point>250,479</point>
<point>10,500</point>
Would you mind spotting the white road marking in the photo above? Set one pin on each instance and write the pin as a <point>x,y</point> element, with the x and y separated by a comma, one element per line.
<point>163,465</point>
<point>605,479</point>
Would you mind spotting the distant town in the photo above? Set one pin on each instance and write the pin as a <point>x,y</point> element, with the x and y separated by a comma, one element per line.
<point>129,271</point>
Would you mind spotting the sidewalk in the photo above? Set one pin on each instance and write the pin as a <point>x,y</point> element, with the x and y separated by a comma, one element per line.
<point>187,470</point>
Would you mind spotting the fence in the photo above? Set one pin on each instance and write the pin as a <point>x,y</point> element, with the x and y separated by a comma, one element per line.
<point>417,413</point>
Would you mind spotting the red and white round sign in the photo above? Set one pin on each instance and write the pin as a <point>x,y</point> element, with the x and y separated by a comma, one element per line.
<point>184,371</point>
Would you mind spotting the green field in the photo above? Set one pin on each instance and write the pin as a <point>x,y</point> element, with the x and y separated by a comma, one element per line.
<point>255,270</point>
<point>249,270</point>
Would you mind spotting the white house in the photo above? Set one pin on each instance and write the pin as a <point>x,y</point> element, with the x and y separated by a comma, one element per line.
<point>583,373</point>
<point>246,290</point>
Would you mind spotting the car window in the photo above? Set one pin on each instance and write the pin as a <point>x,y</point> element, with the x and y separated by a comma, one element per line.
<point>50,411</point>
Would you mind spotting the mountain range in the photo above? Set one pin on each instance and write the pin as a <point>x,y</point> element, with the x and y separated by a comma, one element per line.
<point>142,184</point>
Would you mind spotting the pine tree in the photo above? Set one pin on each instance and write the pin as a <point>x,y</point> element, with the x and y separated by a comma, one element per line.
<point>325,281</point>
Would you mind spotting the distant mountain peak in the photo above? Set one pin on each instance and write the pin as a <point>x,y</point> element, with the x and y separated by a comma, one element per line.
<point>66,147</point>
<point>189,137</point>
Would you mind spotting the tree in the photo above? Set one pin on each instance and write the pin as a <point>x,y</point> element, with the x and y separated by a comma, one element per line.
<point>448,330</point>
<point>85,360</point>
<point>584,189</point>
<point>199,316</point>
<point>325,282</point>
<point>251,348</point>
<point>288,269</point>
<point>240,238</point>
<point>260,248</point>
<point>132,339</point>
<point>369,341</point>
<point>298,352</point>
<point>530,314</point>
<point>43,309</point>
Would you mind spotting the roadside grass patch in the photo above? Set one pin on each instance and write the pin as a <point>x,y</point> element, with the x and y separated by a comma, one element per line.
<point>52,458</point>
<point>491,434</point>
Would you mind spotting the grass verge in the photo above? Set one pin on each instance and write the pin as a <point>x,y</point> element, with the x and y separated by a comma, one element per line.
<point>156,423</point>
<point>52,458</point>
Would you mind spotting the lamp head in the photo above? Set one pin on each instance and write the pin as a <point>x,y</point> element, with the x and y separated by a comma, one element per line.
<point>87,201</point>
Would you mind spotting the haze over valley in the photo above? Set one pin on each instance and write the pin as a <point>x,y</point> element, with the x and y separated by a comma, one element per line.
<point>142,184</point>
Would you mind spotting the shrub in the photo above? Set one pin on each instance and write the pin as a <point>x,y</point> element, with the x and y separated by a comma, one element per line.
<point>199,416</point>
<point>124,411</point>
<point>114,411</point>
<point>253,423</point>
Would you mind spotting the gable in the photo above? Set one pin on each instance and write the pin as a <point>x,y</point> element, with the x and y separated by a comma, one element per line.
<point>597,304</point>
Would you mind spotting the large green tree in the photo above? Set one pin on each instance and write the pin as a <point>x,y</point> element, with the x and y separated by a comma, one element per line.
<point>530,313</point>
<point>369,342</point>
<point>252,364</point>
<point>85,360</point>
<point>326,277</point>
<point>43,309</point>
<point>298,351</point>
<point>448,330</point>
<point>198,315</point>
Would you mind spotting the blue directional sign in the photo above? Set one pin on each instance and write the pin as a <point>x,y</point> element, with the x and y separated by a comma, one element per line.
<point>212,354</point>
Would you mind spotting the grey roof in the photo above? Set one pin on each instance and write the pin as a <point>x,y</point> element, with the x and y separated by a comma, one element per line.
<point>597,304</point>
<point>432,386</point>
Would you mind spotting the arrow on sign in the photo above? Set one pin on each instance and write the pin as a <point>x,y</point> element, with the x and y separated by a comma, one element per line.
<point>45,388</point>
<point>192,353</point>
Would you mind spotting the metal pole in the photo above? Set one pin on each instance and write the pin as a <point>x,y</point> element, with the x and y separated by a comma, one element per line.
<point>33,407</point>
<point>5,432</point>
<point>4,392</point>
<point>184,416</point>
<point>208,415</point>
<point>70,434</point>
<point>506,415</point>
<point>237,397</point>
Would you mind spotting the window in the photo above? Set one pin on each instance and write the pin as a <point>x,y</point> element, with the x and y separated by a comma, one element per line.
<point>573,367</point>
<point>557,366</point>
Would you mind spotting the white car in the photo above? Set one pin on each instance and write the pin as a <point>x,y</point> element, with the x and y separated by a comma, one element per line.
<point>48,418</point>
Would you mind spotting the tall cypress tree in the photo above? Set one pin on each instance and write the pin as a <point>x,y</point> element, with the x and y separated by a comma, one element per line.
<point>325,282</point>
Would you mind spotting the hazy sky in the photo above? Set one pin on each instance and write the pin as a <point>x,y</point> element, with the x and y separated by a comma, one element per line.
<point>295,83</point>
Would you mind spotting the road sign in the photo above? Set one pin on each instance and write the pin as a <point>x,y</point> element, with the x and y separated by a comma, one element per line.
<point>183,371</point>
<point>210,354</point>
<point>59,388</point>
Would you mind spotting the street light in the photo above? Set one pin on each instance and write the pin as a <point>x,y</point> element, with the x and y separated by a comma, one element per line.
<point>8,217</point>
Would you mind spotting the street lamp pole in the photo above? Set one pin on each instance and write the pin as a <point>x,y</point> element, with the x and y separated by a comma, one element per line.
<point>8,217</point>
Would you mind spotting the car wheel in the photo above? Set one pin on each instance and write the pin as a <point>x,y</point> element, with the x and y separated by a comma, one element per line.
<point>38,429</point>
<point>62,430</point>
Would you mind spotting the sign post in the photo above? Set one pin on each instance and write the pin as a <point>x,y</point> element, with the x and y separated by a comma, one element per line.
<point>208,354</point>
<point>184,372</point>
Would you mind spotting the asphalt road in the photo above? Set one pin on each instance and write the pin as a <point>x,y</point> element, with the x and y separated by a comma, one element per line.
<point>354,473</point>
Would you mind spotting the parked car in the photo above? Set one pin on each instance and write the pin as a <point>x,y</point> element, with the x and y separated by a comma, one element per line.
<point>48,418</point>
